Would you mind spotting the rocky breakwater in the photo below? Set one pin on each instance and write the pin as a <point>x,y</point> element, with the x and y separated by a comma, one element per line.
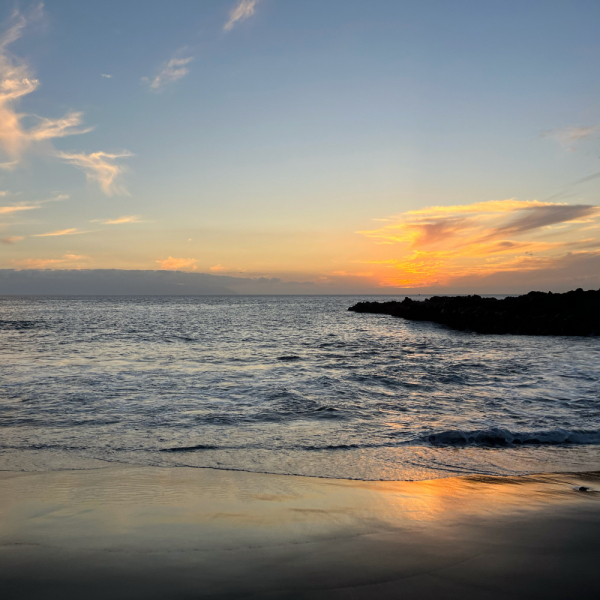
<point>537,313</point>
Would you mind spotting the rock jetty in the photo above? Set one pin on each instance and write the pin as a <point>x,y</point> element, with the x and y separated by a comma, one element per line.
<point>537,313</point>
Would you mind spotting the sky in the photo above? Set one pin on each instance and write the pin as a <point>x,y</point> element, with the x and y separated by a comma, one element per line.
<point>332,147</point>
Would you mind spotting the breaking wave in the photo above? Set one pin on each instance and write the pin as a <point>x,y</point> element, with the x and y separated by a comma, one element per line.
<point>496,437</point>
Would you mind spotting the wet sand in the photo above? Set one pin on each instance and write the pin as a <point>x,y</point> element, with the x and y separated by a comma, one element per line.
<point>129,532</point>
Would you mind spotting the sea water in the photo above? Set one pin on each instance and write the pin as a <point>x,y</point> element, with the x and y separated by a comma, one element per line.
<point>291,385</point>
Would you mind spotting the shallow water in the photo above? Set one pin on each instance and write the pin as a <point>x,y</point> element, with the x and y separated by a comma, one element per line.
<point>287,385</point>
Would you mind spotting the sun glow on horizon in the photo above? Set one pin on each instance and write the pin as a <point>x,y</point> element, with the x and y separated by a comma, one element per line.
<point>210,143</point>
<point>440,244</point>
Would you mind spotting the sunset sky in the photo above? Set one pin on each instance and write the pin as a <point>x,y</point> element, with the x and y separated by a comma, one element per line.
<point>356,146</point>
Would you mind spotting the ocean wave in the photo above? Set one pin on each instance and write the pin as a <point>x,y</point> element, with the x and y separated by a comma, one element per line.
<point>18,325</point>
<point>334,447</point>
<point>497,437</point>
<point>189,448</point>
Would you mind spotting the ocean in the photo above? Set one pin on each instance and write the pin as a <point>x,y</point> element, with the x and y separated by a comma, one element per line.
<point>286,384</point>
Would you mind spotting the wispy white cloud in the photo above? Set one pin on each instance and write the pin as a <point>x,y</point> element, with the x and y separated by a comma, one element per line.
<point>100,167</point>
<point>240,12</point>
<point>107,75</point>
<point>7,210</point>
<point>16,81</point>
<point>72,231</point>
<point>57,128</point>
<point>568,136</point>
<point>13,239</point>
<point>57,198</point>
<point>170,72</point>
<point>17,23</point>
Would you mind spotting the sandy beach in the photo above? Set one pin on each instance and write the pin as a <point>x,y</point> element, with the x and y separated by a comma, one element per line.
<point>143,532</point>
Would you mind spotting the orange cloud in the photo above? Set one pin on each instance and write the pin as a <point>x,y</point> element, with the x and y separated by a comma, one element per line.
<point>44,263</point>
<point>176,264</point>
<point>60,232</point>
<point>436,245</point>
<point>218,268</point>
<point>122,220</point>
<point>7,210</point>
<point>351,274</point>
<point>13,239</point>
<point>75,257</point>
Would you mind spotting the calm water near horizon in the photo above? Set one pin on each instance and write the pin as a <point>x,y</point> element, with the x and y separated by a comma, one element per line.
<point>286,384</point>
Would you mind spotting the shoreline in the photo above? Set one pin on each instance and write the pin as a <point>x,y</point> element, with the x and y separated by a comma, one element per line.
<point>110,465</point>
<point>391,463</point>
<point>179,532</point>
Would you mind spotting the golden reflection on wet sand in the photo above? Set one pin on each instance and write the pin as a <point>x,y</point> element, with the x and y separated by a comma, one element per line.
<point>218,529</point>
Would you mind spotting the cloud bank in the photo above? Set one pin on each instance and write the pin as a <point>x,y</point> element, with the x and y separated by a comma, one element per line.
<point>33,280</point>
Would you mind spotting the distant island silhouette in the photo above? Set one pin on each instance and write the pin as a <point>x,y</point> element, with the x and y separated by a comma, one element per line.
<point>130,282</point>
<point>537,313</point>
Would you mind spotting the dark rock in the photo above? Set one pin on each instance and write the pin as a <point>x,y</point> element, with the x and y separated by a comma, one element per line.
<point>537,313</point>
